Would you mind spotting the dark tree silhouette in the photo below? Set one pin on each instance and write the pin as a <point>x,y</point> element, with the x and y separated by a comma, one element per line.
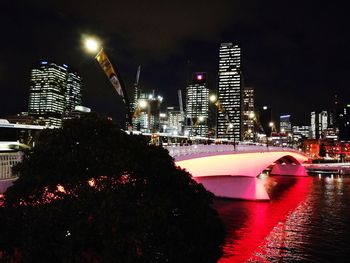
<point>322,151</point>
<point>91,193</point>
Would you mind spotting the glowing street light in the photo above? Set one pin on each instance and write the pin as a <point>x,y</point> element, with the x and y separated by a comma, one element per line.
<point>271,124</point>
<point>213,98</point>
<point>201,118</point>
<point>143,104</point>
<point>252,115</point>
<point>92,45</point>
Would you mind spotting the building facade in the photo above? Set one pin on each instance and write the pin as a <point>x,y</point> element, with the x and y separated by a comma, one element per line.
<point>197,105</point>
<point>344,123</point>
<point>148,117</point>
<point>229,124</point>
<point>285,124</point>
<point>175,121</point>
<point>53,91</point>
<point>248,114</point>
<point>319,124</point>
<point>300,133</point>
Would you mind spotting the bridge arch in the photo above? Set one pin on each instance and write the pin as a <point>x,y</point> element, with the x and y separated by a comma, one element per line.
<point>240,164</point>
<point>235,175</point>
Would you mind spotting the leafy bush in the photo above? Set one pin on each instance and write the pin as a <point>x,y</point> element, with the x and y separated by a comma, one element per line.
<point>91,193</point>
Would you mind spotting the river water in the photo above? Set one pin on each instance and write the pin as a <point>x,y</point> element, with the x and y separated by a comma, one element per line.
<point>307,220</point>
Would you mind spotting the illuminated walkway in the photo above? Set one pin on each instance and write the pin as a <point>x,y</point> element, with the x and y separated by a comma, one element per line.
<point>233,173</point>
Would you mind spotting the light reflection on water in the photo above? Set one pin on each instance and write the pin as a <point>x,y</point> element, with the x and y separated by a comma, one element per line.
<point>307,220</point>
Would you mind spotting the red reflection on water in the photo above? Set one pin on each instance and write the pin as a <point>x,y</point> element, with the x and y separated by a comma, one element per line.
<point>258,219</point>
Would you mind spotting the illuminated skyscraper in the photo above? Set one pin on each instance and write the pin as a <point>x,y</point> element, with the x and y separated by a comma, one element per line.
<point>197,105</point>
<point>319,124</point>
<point>230,92</point>
<point>248,113</point>
<point>53,91</point>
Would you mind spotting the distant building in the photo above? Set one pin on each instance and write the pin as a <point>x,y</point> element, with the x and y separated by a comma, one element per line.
<point>280,139</point>
<point>300,133</point>
<point>344,123</point>
<point>319,124</point>
<point>53,91</point>
<point>148,119</point>
<point>285,124</point>
<point>175,121</point>
<point>248,114</point>
<point>197,105</point>
<point>21,118</point>
<point>230,92</point>
<point>77,112</point>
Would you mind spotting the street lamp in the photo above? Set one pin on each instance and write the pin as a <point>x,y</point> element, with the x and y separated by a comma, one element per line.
<point>271,125</point>
<point>93,45</point>
<point>143,104</point>
<point>201,119</point>
<point>252,115</point>
<point>212,98</point>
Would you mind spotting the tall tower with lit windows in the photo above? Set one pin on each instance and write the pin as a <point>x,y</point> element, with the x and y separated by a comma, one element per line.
<point>248,114</point>
<point>197,105</point>
<point>53,91</point>
<point>229,124</point>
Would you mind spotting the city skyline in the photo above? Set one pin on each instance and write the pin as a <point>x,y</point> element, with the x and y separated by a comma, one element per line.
<point>281,56</point>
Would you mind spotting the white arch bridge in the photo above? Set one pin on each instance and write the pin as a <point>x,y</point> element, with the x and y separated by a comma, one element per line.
<point>232,172</point>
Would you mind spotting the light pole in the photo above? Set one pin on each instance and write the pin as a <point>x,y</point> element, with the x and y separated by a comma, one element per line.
<point>271,125</point>
<point>213,98</point>
<point>252,117</point>
<point>94,46</point>
<point>200,120</point>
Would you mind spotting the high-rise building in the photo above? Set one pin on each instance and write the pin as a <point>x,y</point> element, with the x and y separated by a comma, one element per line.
<point>248,113</point>
<point>285,124</point>
<point>73,96</point>
<point>300,133</point>
<point>197,104</point>
<point>344,123</point>
<point>148,108</point>
<point>229,123</point>
<point>319,124</point>
<point>53,91</point>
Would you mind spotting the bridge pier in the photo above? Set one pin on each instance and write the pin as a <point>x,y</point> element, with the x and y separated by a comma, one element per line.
<point>235,187</point>
<point>289,169</point>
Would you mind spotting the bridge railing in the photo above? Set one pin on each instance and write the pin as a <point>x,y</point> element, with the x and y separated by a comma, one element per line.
<point>7,161</point>
<point>177,151</point>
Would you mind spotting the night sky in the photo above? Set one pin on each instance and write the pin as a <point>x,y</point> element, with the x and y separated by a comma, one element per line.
<point>295,53</point>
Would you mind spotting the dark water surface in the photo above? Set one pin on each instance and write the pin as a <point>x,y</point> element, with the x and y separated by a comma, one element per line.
<point>307,220</point>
